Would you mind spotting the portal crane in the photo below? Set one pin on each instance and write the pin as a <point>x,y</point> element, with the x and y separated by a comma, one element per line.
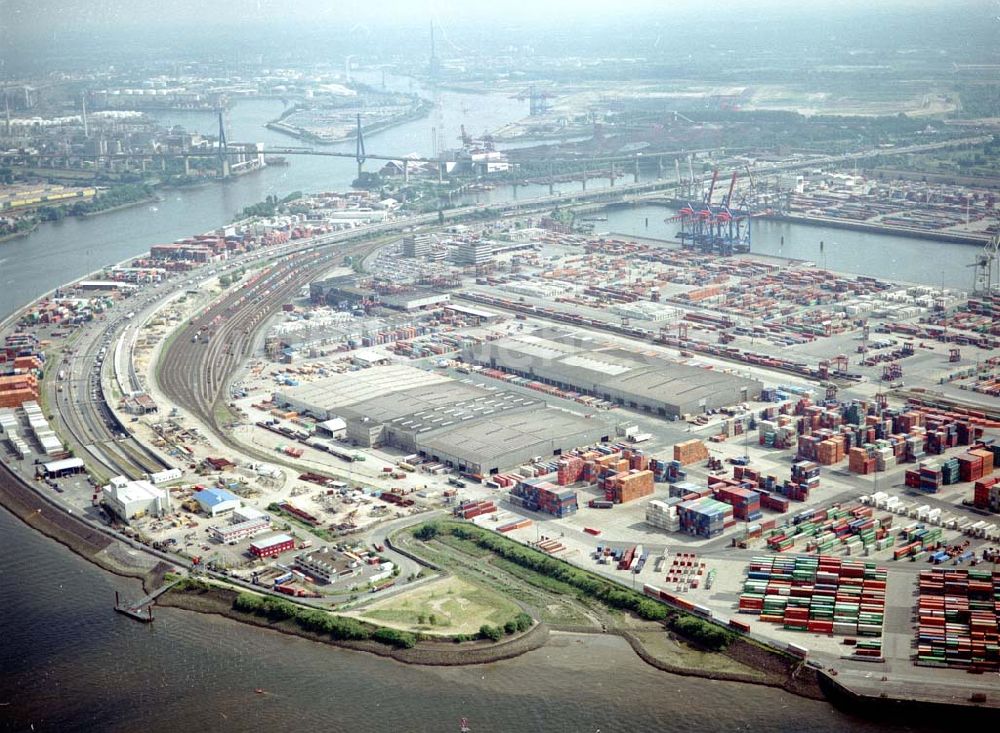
<point>537,100</point>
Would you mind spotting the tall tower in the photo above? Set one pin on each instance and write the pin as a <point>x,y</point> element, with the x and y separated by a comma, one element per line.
<point>86,130</point>
<point>435,65</point>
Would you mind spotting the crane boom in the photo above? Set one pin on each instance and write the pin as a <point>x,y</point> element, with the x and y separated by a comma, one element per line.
<point>711,188</point>
<point>732,185</point>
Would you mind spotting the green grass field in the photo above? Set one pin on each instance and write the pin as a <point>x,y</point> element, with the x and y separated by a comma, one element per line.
<point>457,607</point>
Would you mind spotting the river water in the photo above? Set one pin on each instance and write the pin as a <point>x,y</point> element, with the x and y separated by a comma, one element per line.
<point>68,662</point>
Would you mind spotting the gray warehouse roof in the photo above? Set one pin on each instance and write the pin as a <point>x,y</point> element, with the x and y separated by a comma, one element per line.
<point>488,441</point>
<point>431,406</point>
<point>679,384</point>
<point>646,378</point>
<point>463,423</point>
<point>350,388</point>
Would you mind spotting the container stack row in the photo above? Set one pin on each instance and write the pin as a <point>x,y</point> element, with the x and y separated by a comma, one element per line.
<point>986,494</point>
<point>916,541</point>
<point>542,496</point>
<point>958,619</point>
<point>511,526</point>
<point>628,485</point>
<point>690,451</point>
<point>824,594</point>
<point>854,529</point>
<point>471,509</point>
<point>705,517</point>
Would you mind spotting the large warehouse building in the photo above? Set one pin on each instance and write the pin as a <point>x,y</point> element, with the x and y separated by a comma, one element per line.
<point>472,429</point>
<point>641,381</point>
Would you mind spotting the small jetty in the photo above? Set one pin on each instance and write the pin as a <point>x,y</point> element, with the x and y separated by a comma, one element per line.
<point>142,610</point>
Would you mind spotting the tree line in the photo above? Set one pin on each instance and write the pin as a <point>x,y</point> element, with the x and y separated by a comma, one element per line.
<point>338,628</point>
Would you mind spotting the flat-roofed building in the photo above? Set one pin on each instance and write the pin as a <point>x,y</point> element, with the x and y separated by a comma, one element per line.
<point>134,499</point>
<point>416,245</point>
<point>65,467</point>
<point>217,501</point>
<point>463,426</point>
<point>642,381</point>
<point>272,546</point>
<point>240,530</point>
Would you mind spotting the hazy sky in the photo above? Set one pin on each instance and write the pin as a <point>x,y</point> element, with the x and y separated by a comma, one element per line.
<point>60,33</point>
<point>41,15</point>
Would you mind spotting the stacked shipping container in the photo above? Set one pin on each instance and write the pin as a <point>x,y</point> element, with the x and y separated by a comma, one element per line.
<point>705,517</point>
<point>628,486</point>
<point>821,594</point>
<point>690,451</point>
<point>471,509</point>
<point>986,494</point>
<point>958,619</point>
<point>542,496</point>
<point>853,528</point>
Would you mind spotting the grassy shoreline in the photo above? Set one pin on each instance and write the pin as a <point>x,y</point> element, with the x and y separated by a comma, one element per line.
<point>220,602</point>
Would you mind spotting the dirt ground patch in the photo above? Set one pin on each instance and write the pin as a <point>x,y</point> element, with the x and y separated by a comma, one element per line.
<point>447,606</point>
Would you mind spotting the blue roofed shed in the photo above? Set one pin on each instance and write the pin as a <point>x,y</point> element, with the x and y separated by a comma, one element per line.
<point>217,501</point>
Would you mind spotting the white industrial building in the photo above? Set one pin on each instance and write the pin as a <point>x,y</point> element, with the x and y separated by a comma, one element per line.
<point>475,252</point>
<point>416,245</point>
<point>240,530</point>
<point>133,499</point>
<point>327,566</point>
<point>245,522</point>
<point>335,428</point>
<point>248,514</point>
<point>162,477</point>
<point>64,467</point>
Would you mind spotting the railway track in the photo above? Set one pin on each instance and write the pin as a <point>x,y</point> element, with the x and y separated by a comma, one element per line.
<point>91,421</point>
<point>194,372</point>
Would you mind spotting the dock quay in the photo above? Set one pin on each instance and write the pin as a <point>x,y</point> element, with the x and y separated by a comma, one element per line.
<point>142,610</point>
